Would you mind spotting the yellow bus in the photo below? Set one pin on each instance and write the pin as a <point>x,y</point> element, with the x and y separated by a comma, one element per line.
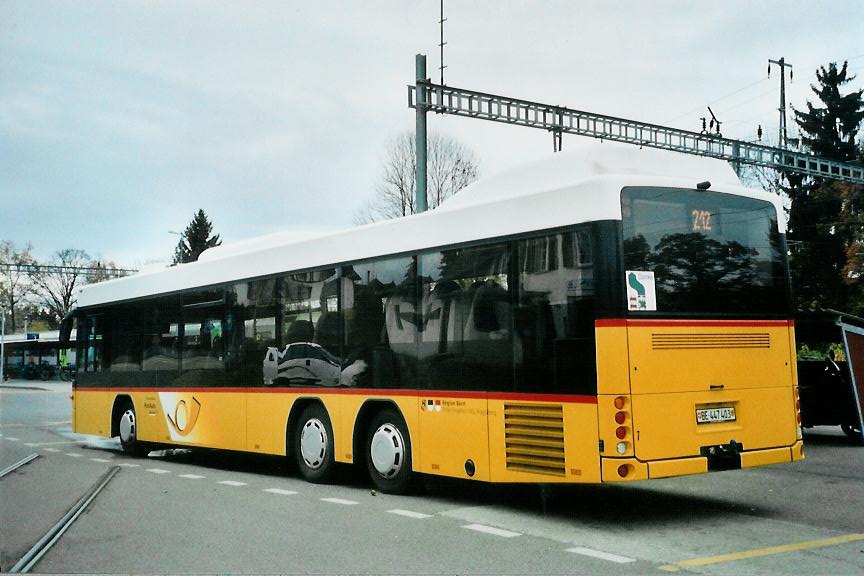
<point>614,315</point>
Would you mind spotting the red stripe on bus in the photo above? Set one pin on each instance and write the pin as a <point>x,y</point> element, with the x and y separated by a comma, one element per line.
<point>611,323</point>
<point>572,398</point>
<point>621,323</point>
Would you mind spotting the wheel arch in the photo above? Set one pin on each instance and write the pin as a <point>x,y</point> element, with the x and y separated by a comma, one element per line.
<point>120,401</point>
<point>294,414</point>
<point>364,417</point>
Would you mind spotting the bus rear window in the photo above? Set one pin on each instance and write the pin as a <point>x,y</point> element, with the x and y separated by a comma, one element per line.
<point>698,252</point>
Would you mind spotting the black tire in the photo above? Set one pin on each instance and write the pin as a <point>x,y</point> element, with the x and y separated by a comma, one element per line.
<point>851,431</point>
<point>388,453</point>
<point>127,427</point>
<point>313,444</point>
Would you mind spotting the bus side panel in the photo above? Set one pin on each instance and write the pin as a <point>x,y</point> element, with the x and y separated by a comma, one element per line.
<point>192,417</point>
<point>151,425</point>
<point>453,431</point>
<point>93,411</point>
<point>526,445</point>
<point>264,425</point>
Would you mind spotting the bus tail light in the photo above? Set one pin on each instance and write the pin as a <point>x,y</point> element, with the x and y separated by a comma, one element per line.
<point>623,470</point>
<point>623,422</point>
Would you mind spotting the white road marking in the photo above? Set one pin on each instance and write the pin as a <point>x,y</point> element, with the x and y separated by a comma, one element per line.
<point>492,530</point>
<point>99,460</point>
<point>73,455</point>
<point>12,439</point>
<point>158,471</point>
<point>339,501</point>
<point>129,465</point>
<point>409,514</point>
<point>280,491</point>
<point>601,555</point>
<point>232,483</point>
<point>191,476</point>
<point>31,444</point>
<point>52,449</point>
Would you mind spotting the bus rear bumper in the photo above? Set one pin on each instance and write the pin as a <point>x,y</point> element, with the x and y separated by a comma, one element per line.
<point>628,469</point>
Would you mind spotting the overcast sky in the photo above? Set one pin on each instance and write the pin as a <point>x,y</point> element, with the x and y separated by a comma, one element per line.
<point>119,120</point>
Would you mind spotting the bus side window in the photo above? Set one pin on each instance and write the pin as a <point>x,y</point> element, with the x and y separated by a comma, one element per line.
<point>94,343</point>
<point>554,314</point>
<point>370,292</point>
<point>202,330</point>
<point>465,325</point>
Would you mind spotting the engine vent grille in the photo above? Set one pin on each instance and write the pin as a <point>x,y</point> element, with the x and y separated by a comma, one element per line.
<point>534,438</point>
<point>709,341</point>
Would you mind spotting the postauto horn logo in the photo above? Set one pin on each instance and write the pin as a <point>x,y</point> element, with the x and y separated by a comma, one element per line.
<point>181,414</point>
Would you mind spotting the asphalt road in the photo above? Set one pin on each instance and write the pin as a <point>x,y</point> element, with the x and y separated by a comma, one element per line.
<point>208,511</point>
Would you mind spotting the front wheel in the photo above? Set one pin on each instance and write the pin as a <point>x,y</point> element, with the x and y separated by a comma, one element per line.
<point>128,428</point>
<point>388,452</point>
<point>313,444</point>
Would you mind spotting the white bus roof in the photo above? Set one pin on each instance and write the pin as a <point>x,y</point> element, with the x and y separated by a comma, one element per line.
<point>568,188</point>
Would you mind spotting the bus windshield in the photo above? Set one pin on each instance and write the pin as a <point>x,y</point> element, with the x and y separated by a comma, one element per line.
<point>689,252</point>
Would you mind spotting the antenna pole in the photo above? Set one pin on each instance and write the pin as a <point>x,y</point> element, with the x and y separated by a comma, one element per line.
<point>420,132</point>
<point>441,45</point>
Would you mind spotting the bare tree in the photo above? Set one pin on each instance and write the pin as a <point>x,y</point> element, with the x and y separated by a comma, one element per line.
<point>57,288</point>
<point>450,166</point>
<point>14,283</point>
<point>101,271</point>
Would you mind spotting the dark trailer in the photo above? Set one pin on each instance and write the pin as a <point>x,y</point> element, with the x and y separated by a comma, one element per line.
<point>830,348</point>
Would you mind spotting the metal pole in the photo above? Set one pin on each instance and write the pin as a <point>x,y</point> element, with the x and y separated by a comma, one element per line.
<point>420,133</point>
<point>782,143</point>
<point>783,65</point>
<point>736,164</point>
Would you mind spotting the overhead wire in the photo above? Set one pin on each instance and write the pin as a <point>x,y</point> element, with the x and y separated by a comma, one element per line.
<point>751,85</point>
<point>733,93</point>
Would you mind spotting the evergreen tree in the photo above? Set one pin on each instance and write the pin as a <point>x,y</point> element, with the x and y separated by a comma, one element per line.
<point>196,238</point>
<point>824,218</point>
<point>830,131</point>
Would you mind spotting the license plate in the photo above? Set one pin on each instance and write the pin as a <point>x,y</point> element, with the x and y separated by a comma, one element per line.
<point>708,415</point>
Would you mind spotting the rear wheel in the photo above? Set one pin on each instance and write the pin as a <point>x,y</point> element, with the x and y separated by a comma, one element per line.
<point>127,426</point>
<point>851,430</point>
<point>388,452</point>
<point>313,444</point>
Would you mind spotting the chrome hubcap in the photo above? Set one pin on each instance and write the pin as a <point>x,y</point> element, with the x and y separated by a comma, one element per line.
<point>127,426</point>
<point>387,450</point>
<point>313,443</point>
